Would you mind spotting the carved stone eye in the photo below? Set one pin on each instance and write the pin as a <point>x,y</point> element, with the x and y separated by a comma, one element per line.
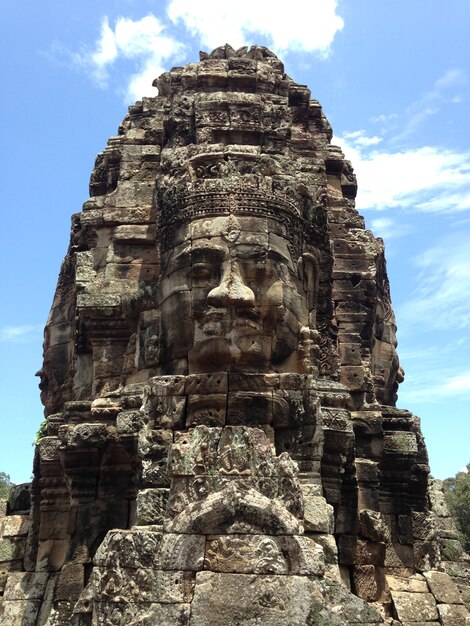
<point>201,271</point>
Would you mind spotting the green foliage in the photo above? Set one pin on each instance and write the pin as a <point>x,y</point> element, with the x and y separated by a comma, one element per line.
<point>5,484</point>
<point>457,493</point>
<point>42,432</point>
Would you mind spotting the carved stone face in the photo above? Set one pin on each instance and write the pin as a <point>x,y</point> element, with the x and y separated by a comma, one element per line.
<point>231,298</point>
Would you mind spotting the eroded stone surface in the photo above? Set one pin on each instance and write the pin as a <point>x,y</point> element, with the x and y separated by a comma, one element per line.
<point>414,607</point>
<point>273,600</point>
<point>443,588</point>
<point>453,615</point>
<point>220,377</point>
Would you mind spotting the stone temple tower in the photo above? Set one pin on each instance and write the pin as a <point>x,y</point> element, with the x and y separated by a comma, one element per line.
<point>220,377</point>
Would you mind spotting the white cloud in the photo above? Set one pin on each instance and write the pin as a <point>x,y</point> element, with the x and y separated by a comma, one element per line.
<point>453,386</point>
<point>106,48</point>
<point>142,41</point>
<point>435,371</point>
<point>151,42</point>
<point>430,103</point>
<point>235,23</point>
<point>16,333</point>
<point>429,178</point>
<point>389,229</point>
<point>360,139</point>
<point>442,297</point>
<point>460,383</point>
<point>383,118</point>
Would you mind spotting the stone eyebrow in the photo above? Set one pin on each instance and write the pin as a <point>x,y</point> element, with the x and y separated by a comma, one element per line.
<point>204,253</point>
<point>180,259</point>
<point>245,251</point>
<point>277,255</point>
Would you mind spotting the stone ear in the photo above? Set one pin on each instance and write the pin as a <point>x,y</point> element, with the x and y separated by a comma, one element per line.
<point>309,270</point>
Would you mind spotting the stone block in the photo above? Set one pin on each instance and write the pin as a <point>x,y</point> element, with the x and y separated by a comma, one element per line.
<point>208,409</point>
<point>443,588</point>
<point>333,573</point>
<point>330,549</point>
<point>126,586</point>
<point>181,553</point>
<point>371,525</point>
<point>460,570</point>
<point>144,548</point>
<point>19,498</point>
<point>222,599</point>
<point>88,435</point>
<point>151,506</point>
<point>405,529</point>
<point>160,386</point>
<point>400,443</point>
<point>25,586</point>
<point>54,525</point>
<point>396,623</point>
<point>241,381</point>
<point>244,554</point>
<point>212,383</point>
<point>130,422</point>
<point>318,514</point>
<point>453,615</point>
<point>12,548</point>
<point>412,584</point>
<point>336,419</point>
<point>194,452</point>
<point>154,443</point>
<point>350,354</point>
<point>262,554</point>
<point>437,498</point>
<point>168,411</point>
<point>129,548</point>
<point>451,549</point>
<point>143,614</point>
<point>302,443</point>
<point>414,607</point>
<point>351,609</point>
<point>307,556</point>
<point>367,471</point>
<point>135,233</point>
<point>19,612</point>
<point>249,409</point>
<point>49,448</point>
<point>347,549</point>
<point>154,473</point>
<point>365,583</point>
<point>98,302</point>
<point>51,554</point>
<point>352,376</point>
<point>398,555</point>
<point>465,594</point>
<point>70,582</point>
<point>15,525</point>
<point>370,552</point>
<point>445,527</point>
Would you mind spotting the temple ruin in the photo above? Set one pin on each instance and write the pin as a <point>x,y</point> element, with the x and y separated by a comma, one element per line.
<point>220,377</point>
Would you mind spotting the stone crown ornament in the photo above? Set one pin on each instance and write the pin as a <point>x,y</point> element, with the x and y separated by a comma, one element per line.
<point>209,198</point>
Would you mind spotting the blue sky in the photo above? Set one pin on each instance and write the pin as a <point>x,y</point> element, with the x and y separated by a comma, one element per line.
<point>394,81</point>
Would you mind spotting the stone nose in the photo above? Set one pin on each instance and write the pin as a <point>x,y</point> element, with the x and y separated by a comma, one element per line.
<point>231,291</point>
